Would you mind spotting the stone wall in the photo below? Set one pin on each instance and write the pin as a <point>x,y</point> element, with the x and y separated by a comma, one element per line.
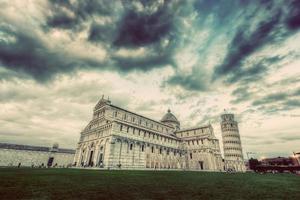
<point>12,157</point>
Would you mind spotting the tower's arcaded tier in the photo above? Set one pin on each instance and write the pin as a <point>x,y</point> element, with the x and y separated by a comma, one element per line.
<point>233,152</point>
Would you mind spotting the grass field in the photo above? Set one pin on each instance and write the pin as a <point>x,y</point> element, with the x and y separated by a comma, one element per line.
<point>92,184</point>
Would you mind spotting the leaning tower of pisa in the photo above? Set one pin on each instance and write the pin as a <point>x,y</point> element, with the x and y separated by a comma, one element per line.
<point>233,153</point>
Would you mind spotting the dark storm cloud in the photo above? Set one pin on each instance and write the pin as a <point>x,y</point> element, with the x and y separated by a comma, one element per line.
<point>247,38</point>
<point>146,62</point>
<point>142,29</point>
<point>99,32</point>
<point>282,22</point>
<point>295,103</point>
<point>244,44</point>
<point>60,17</point>
<point>254,73</point>
<point>242,94</point>
<point>133,29</point>
<point>272,98</point>
<point>27,54</point>
<point>121,25</point>
<point>293,80</point>
<point>280,96</point>
<point>296,92</point>
<point>245,93</point>
<point>221,10</point>
<point>157,27</point>
<point>70,14</point>
<point>62,21</point>
<point>293,19</point>
<point>280,101</point>
<point>189,82</point>
<point>268,104</point>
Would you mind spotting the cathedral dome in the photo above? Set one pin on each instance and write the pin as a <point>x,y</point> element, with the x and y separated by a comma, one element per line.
<point>170,119</point>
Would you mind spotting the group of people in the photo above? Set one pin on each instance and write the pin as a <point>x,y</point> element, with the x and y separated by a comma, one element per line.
<point>42,166</point>
<point>91,164</point>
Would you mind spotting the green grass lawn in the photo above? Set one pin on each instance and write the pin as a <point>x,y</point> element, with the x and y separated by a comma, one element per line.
<point>92,184</point>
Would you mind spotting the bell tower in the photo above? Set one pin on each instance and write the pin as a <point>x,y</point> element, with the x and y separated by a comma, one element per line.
<point>233,152</point>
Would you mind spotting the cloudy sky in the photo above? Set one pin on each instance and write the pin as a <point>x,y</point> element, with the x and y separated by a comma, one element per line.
<point>57,58</point>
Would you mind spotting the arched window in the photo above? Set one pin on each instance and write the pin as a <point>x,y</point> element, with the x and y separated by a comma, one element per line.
<point>131,145</point>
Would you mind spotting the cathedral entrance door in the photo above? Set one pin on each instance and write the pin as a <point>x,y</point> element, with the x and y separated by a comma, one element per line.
<point>91,159</point>
<point>201,165</point>
<point>100,162</point>
<point>50,161</point>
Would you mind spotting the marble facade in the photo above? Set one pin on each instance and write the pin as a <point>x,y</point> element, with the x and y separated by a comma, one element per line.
<point>119,139</point>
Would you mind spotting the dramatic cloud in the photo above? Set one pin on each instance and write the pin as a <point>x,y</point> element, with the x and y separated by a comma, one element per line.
<point>197,58</point>
<point>141,29</point>
<point>27,53</point>
<point>248,40</point>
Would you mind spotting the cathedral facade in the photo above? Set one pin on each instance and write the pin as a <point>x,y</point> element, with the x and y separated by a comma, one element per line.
<point>119,139</point>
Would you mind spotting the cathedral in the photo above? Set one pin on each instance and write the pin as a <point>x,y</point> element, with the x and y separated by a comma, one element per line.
<point>117,138</point>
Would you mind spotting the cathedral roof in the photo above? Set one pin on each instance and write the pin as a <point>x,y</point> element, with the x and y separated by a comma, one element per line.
<point>169,117</point>
<point>194,128</point>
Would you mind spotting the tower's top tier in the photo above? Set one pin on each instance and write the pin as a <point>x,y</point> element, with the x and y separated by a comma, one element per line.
<point>227,117</point>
